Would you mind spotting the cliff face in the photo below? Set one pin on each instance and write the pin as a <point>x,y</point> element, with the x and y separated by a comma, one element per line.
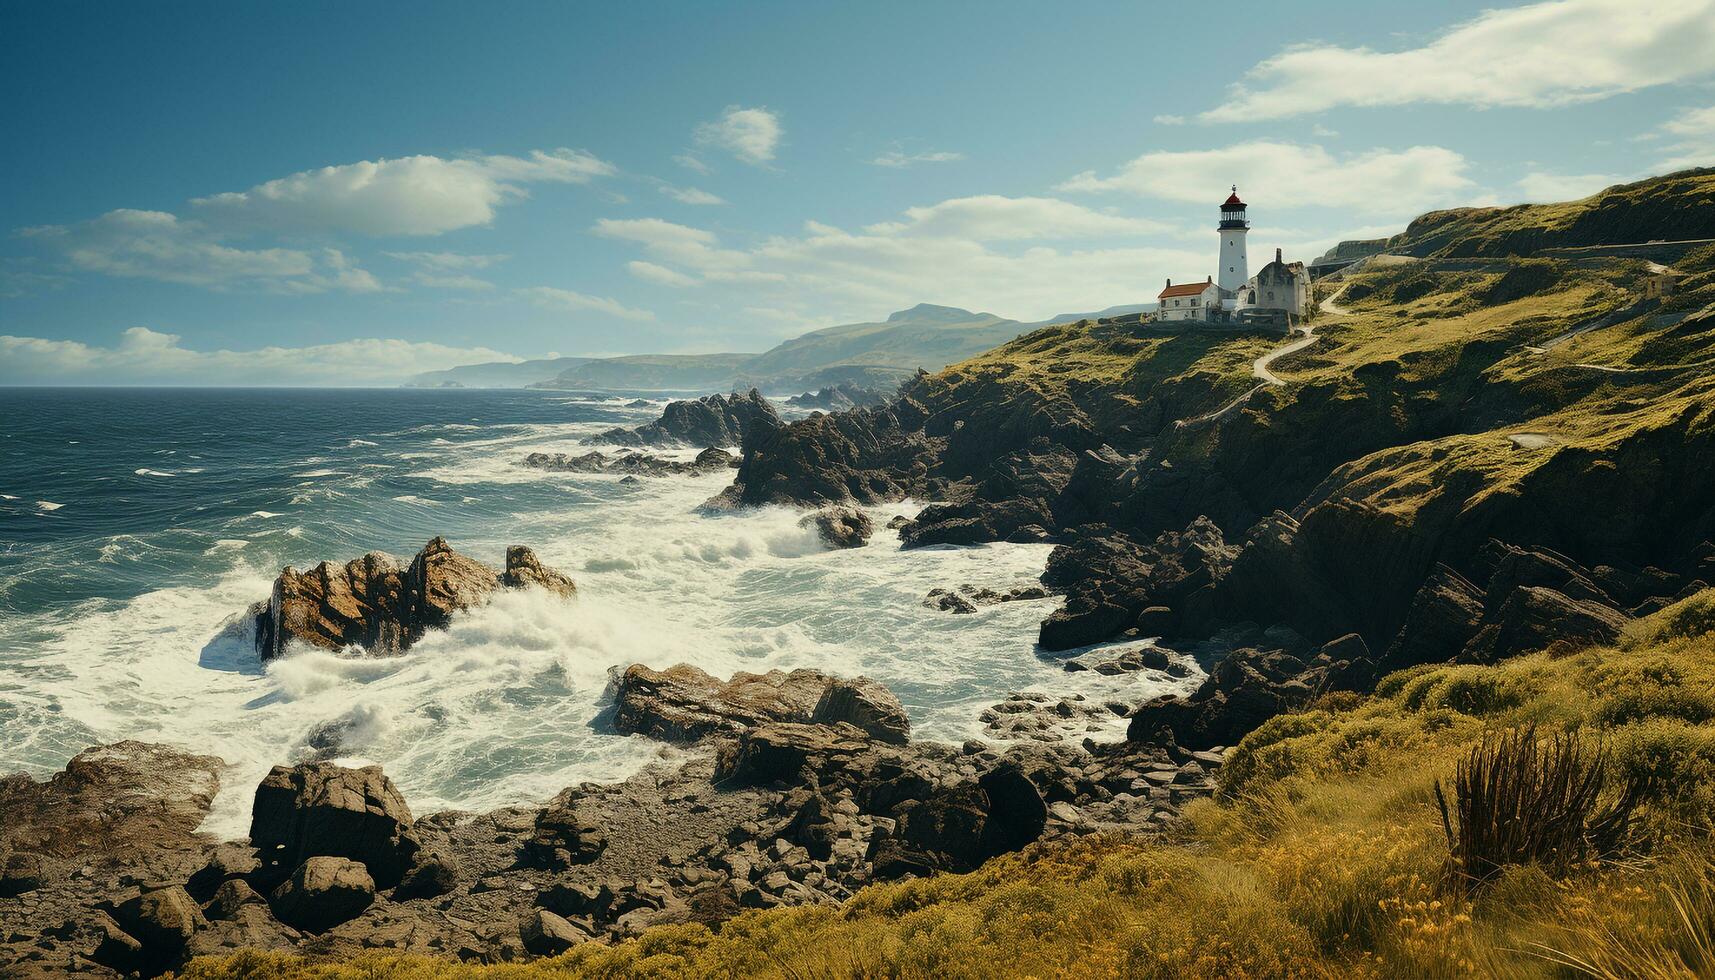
<point>1446,412</point>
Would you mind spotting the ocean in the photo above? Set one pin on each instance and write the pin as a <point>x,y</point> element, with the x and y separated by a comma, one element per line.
<point>137,525</point>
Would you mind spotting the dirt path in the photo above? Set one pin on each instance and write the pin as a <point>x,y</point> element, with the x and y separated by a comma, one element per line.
<point>1260,368</point>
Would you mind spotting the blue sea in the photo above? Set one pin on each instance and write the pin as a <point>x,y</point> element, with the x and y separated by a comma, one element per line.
<point>137,525</point>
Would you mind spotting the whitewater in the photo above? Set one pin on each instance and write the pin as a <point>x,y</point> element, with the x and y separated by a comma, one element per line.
<point>122,606</point>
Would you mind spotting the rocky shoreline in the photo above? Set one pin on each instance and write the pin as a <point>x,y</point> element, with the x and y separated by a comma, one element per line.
<point>782,788</point>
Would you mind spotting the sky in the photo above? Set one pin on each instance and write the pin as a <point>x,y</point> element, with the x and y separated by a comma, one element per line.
<point>340,193</point>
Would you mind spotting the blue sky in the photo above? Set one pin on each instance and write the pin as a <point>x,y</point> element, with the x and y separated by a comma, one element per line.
<point>335,192</point>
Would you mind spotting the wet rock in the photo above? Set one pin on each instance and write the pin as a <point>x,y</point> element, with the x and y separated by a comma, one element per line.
<point>717,420</point>
<point>524,570</point>
<point>320,809</point>
<point>371,602</point>
<point>840,526</point>
<point>633,464</point>
<point>684,703</point>
<point>322,893</point>
<point>948,601</point>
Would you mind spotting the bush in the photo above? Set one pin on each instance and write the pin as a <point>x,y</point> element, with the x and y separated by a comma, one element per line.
<point>1524,800</point>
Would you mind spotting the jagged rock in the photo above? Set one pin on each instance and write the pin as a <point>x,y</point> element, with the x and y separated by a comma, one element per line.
<point>546,934</point>
<point>372,603</point>
<point>866,705</point>
<point>958,828</point>
<point>320,809</point>
<point>840,526</point>
<point>1245,689</point>
<point>433,874</point>
<point>949,601</point>
<point>163,921</point>
<point>683,703</point>
<point>322,893</point>
<point>860,456</point>
<point>839,397</point>
<point>115,948</point>
<point>632,464</point>
<point>1114,583</point>
<point>1535,618</point>
<point>231,896</point>
<point>563,837</point>
<point>717,420</point>
<point>228,861</point>
<point>524,570</point>
<point>1445,614</point>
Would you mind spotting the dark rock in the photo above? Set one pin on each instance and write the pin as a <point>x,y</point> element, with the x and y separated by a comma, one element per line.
<point>227,862</point>
<point>840,526</point>
<point>717,420</point>
<point>115,948</point>
<point>839,397</point>
<point>322,893</point>
<point>433,874</point>
<point>230,897</point>
<point>163,921</point>
<point>633,464</point>
<point>320,809</point>
<point>21,873</point>
<point>948,601</point>
<point>563,836</point>
<point>546,934</point>
<point>1536,618</point>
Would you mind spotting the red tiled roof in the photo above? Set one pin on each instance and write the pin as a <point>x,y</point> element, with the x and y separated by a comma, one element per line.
<point>1183,289</point>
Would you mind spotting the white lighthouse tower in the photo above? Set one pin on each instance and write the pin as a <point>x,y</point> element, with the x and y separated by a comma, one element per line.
<point>1235,267</point>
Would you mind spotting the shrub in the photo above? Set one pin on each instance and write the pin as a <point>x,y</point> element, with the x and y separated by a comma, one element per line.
<point>1524,800</point>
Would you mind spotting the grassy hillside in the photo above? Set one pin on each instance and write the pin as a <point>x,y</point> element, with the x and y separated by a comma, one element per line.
<point>1677,206</point>
<point>1325,856</point>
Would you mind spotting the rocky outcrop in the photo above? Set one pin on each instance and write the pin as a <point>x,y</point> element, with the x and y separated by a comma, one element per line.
<point>716,420</point>
<point>629,463</point>
<point>839,397</point>
<point>1114,584</point>
<point>858,456</point>
<point>322,893</point>
<point>840,526</point>
<point>684,703</point>
<point>323,810</point>
<point>373,603</point>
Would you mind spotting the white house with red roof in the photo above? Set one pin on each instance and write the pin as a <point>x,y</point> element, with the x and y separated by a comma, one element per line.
<point>1188,301</point>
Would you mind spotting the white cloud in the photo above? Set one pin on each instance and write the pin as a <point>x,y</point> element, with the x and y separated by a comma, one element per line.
<point>1541,55</point>
<point>690,195</point>
<point>1169,119</point>
<point>690,162</point>
<point>565,300</point>
<point>993,217</point>
<point>670,242</point>
<point>895,158</point>
<point>448,270</point>
<point>1690,139</point>
<point>418,195</point>
<point>660,275</point>
<point>145,356</point>
<point>1293,174</point>
<point>750,134</point>
<point>1539,187</point>
<point>160,246</point>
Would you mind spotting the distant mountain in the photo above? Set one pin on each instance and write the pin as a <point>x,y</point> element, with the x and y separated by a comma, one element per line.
<point>877,354</point>
<point>496,374</point>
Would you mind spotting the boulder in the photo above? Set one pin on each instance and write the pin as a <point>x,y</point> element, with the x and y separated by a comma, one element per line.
<point>545,934</point>
<point>563,837</point>
<point>433,874</point>
<point>373,603</point>
<point>320,809</point>
<point>162,920</point>
<point>684,703</point>
<point>866,705</point>
<point>322,893</point>
<point>230,897</point>
<point>228,861</point>
<point>840,526</point>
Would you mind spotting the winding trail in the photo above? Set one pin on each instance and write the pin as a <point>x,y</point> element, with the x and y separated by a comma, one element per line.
<point>1260,368</point>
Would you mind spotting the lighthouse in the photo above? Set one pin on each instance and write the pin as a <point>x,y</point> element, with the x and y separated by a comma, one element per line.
<point>1235,267</point>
